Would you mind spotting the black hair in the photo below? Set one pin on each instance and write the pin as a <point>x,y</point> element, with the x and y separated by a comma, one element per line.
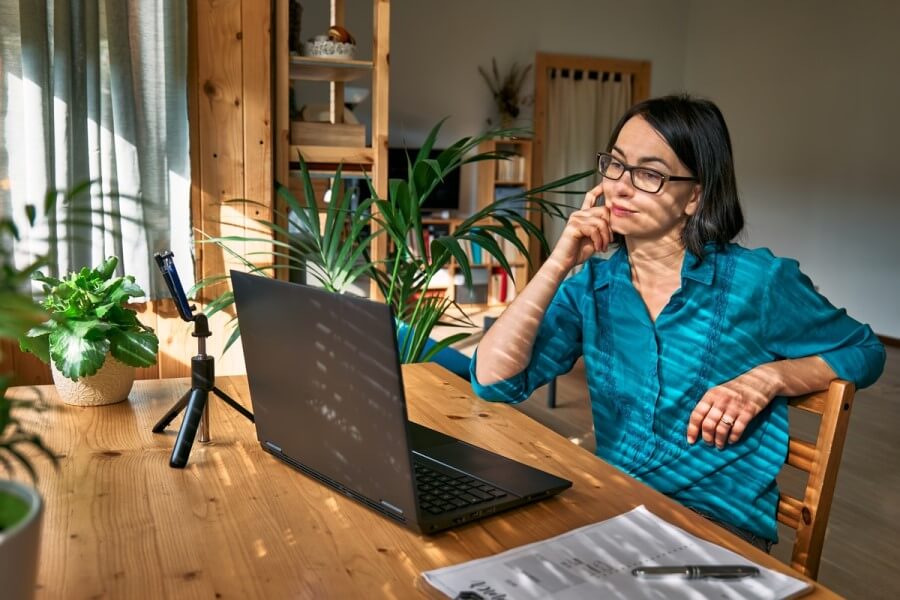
<point>695,130</point>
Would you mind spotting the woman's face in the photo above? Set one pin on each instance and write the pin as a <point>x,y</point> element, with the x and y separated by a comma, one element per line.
<point>639,214</point>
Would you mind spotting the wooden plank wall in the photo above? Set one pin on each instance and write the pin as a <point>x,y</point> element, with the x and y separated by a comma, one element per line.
<point>230,116</point>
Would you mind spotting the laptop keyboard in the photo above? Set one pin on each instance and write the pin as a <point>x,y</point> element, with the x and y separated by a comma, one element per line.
<point>441,492</point>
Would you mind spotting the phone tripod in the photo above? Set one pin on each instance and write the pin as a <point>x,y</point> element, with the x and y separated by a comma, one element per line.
<point>203,378</point>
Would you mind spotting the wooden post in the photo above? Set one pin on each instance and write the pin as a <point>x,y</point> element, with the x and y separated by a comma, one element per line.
<point>380,84</point>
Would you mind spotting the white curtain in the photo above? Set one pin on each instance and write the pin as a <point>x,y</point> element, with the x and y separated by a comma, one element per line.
<point>96,90</point>
<point>582,109</point>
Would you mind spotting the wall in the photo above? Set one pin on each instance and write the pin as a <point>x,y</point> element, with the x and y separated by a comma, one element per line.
<point>810,91</point>
<point>437,46</point>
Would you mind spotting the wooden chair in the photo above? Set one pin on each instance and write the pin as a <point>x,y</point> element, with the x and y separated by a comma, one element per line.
<point>809,516</point>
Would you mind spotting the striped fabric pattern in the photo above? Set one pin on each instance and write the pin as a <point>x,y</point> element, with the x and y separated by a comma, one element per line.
<point>736,309</point>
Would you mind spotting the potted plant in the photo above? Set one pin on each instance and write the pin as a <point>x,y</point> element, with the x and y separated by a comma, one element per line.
<point>92,340</point>
<point>507,91</point>
<point>21,508</point>
<point>335,251</point>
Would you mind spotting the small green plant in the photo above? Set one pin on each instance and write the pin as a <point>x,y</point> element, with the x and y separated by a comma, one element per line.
<point>89,318</point>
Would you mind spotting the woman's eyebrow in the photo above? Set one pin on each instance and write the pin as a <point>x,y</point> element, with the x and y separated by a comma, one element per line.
<point>645,159</point>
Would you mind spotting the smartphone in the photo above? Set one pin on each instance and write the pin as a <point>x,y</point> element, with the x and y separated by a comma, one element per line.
<point>165,260</point>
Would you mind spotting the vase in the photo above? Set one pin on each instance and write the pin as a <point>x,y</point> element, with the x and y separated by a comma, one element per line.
<point>21,512</point>
<point>507,121</point>
<point>111,384</point>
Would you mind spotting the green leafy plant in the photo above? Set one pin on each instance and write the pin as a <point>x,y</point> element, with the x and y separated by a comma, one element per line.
<point>90,318</point>
<point>14,435</point>
<point>507,89</point>
<point>337,249</point>
<point>18,313</point>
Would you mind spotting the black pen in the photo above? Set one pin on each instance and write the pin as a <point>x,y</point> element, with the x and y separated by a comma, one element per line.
<point>698,571</point>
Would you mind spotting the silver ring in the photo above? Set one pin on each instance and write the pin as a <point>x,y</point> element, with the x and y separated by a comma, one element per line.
<point>727,420</point>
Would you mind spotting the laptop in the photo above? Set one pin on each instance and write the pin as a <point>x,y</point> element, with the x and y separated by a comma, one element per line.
<point>328,399</point>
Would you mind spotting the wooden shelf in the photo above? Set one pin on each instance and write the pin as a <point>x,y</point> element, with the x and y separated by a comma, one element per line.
<point>511,183</point>
<point>311,68</point>
<point>298,73</point>
<point>333,155</point>
<point>513,263</point>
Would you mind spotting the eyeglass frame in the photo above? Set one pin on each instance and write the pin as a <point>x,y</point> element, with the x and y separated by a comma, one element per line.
<point>626,168</point>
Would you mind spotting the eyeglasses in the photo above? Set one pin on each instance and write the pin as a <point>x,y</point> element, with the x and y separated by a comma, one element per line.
<point>644,179</point>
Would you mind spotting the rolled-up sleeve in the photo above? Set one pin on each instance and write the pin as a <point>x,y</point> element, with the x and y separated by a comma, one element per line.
<point>557,346</point>
<point>801,322</point>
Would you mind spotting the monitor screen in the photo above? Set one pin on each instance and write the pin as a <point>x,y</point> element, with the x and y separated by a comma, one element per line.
<point>444,197</point>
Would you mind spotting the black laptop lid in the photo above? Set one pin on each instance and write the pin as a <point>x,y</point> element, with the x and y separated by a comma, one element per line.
<point>326,387</point>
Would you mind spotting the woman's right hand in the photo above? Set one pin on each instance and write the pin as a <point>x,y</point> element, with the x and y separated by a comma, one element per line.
<point>587,232</point>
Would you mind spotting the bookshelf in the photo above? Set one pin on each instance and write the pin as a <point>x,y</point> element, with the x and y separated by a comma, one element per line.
<point>496,180</point>
<point>325,145</point>
<point>491,285</point>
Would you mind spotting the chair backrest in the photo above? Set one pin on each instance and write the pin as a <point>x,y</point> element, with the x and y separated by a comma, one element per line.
<point>809,516</point>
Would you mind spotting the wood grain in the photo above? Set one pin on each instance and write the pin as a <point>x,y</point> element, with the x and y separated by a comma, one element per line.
<point>259,172</point>
<point>239,524</point>
<point>220,117</point>
<point>822,461</point>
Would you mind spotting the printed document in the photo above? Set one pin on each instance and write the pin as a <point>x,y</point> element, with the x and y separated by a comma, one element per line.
<point>596,562</point>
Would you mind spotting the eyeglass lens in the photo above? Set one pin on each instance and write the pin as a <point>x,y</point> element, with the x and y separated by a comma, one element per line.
<point>646,180</point>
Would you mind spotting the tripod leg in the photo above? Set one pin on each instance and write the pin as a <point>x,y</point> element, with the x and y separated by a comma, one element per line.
<point>204,425</point>
<point>189,424</point>
<point>173,412</point>
<point>230,402</point>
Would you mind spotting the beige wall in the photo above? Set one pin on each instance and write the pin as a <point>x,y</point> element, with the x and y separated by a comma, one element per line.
<point>811,93</point>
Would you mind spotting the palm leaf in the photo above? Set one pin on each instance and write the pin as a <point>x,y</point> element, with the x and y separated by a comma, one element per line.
<point>335,250</point>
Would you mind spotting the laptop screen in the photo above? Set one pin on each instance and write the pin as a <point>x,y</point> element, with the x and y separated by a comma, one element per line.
<point>326,386</point>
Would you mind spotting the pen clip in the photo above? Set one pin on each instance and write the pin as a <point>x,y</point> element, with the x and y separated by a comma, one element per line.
<point>724,572</point>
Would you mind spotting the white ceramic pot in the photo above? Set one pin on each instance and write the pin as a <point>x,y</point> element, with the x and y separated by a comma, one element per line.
<point>20,542</point>
<point>111,384</point>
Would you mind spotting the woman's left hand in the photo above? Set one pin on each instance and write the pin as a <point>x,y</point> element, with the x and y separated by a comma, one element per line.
<point>725,410</point>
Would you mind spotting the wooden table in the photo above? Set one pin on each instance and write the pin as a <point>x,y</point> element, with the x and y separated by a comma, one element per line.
<point>237,523</point>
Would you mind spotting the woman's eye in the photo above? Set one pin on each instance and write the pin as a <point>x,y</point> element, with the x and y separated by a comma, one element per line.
<point>649,176</point>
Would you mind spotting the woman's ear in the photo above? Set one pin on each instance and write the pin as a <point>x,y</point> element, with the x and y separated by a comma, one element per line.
<point>690,209</point>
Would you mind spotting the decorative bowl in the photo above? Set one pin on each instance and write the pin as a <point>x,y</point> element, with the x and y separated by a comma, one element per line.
<point>329,49</point>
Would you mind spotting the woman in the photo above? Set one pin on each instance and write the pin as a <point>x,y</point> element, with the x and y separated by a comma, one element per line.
<point>690,342</point>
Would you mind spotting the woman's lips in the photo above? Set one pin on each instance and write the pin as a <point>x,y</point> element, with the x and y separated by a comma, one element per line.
<point>622,212</point>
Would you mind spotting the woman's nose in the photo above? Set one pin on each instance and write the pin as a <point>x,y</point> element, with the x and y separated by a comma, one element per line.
<point>623,187</point>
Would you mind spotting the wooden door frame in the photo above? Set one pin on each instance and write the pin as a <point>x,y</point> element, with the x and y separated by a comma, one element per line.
<point>638,70</point>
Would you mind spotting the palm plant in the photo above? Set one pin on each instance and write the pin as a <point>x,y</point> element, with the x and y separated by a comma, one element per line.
<point>338,251</point>
<point>18,313</point>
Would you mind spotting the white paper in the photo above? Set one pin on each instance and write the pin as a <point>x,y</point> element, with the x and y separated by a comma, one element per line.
<point>596,562</point>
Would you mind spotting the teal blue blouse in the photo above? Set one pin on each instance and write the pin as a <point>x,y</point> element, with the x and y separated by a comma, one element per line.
<point>736,309</point>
